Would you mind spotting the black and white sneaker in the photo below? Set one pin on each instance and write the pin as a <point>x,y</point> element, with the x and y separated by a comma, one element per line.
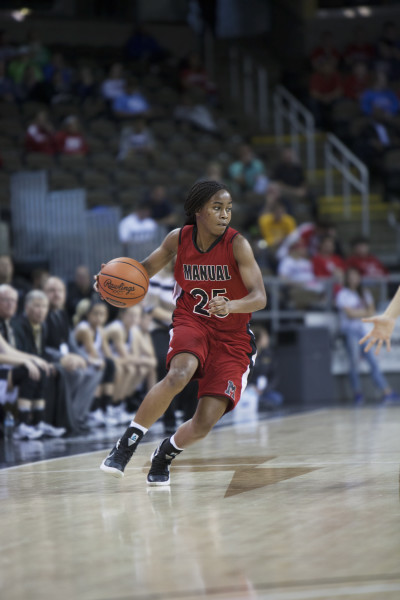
<point>160,463</point>
<point>121,454</point>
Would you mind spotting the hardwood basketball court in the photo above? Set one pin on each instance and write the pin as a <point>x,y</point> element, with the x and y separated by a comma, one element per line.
<point>293,508</point>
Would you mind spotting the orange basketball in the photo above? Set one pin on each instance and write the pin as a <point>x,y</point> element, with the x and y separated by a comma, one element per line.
<point>123,282</point>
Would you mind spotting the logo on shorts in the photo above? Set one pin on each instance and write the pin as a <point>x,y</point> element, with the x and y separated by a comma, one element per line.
<point>230,390</point>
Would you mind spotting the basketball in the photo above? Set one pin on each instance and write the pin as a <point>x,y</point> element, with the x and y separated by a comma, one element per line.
<point>123,282</point>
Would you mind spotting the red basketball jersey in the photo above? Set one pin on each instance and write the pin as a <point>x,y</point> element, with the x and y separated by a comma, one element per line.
<point>204,275</point>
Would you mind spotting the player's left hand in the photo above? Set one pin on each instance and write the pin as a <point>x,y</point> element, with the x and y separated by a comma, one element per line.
<point>218,306</point>
<point>380,334</point>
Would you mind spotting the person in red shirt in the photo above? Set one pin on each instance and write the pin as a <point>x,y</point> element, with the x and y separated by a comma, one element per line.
<point>40,135</point>
<point>70,139</point>
<point>362,260</point>
<point>357,81</point>
<point>328,264</point>
<point>325,50</point>
<point>325,89</point>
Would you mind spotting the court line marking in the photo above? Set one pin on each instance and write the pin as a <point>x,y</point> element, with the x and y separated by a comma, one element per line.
<point>322,593</point>
<point>272,420</point>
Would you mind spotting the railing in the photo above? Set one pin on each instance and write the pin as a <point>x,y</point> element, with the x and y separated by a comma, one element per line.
<point>281,318</point>
<point>293,119</point>
<point>354,175</point>
<point>248,85</point>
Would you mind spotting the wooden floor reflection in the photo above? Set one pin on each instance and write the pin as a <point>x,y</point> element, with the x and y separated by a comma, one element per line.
<point>296,508</point>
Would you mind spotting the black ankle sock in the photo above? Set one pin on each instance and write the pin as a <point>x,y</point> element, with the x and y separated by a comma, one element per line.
<point>105,401</point>
<point>169,448</point>
<point>24,416</point>
<point>37,416</point>
<point>95,404</point>
<point>134,435</point>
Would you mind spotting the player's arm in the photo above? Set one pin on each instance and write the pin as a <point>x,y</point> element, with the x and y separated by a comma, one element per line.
<point>163,254</point>
<point>84,337</point>
<point>114,335</point>
<point>383,326</point>
<point>250,272</point>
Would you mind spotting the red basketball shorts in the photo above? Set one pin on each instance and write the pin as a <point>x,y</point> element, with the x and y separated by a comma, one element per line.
<point>225,357</point>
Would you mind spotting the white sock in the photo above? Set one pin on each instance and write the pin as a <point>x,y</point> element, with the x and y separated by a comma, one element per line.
<point>134,424</point>
<point>173,442</point>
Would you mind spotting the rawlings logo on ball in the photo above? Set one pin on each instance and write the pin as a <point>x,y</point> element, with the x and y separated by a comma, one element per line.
<point>120,288</point>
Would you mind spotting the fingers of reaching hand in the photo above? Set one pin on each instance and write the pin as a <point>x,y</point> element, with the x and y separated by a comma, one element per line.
<point>378,347</point>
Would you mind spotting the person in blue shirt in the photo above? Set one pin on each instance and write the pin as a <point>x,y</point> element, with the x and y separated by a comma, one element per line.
<point>131,102</point>
<point>380,97</point>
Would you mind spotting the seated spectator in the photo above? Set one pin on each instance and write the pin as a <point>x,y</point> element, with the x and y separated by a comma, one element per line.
<point>141,45</point>
<point>379,135</point>
<point>289,173</point>
<point>356,82</point>
<point>246,171</point>
<point>107,408</point>
<point>85,86</point>
<point>18,65</point>
<point>61,90</point>
<point>325,51</point>
<point>79,289</point>
<point>379,96</point>
<point>355,303</point>
<point>358,50</point>
<point>37,50</point>
<point>70,140</point>
<point>194,75</point>
<point>361,259</point>
<point>136,138</point>
<point>327,264</point>
<point>303,289</point>
<point>264,376</point>
<point>195,113</point>
<point>388,51</point>
<point>114,85</point>
<point>8,90</point>
<point>57,65</point>
<point>40,135</point>
<point>161,208</point>
<point>8,276</point>
<point>138,226</point>
<point>78,379</point>
<point>39,278</point>
<point>131,102</point>
<point>214,172</point>
<point>275,226</point>
<point>30,334</point>
<point>34,88</point>
<point>325,89</point>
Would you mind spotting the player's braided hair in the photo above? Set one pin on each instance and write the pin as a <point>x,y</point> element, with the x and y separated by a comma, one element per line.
<point>198,195</point>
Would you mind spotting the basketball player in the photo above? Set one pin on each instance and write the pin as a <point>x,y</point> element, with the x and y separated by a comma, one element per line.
<point>383,326</point>
<point>218,284</point>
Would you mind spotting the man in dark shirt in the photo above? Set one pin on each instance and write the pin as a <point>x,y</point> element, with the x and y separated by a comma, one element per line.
<point>289,173</point>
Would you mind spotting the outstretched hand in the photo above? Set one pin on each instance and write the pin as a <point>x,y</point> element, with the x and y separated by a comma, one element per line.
<point>380,334</point>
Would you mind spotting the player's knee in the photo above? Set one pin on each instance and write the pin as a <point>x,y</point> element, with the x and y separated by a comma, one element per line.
<point>177,378</point>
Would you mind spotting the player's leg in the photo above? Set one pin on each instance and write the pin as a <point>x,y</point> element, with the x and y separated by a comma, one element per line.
<point>209,411</point>
<point>182,368</point>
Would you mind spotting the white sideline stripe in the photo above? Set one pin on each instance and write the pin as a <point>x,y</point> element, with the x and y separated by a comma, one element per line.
<point>46,460</point>
<point>323,593</point>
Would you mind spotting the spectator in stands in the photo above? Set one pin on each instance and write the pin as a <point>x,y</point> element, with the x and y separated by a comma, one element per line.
<point>246,171</point>
<point>379,97</point>
<point>141,45</point>
<point>8,90</point>
<point>40,135</point>
<point>85,86</point>
<point>8,276</point>
<point>327,264</point>
<point>34,88</point>
<point>58,66</point>
<point>30,334</point>
<point>136,137</point>
<point>194,75</point>
<point>79,289</point>
<point>379,135</point>
<point>274,227</point>
<point>358,50</point>
<point>161,208</point>
<point>356,82</point>
<point>289,173</point>
<point>355,303</point>
<point>361,259</point>
<point>89,333</point>
<point>325,51</point>
<point>131,102</point>
<point>214,172</point>
<point>70,140</point>
<point>37,50</point>
<point>388,51</point>
<point>18,65</point>
<point>78,380</point>
<point>39,278</point>
<point>114,85</point>
<point>325,89</point>
<point>61,91</point>
<point>303,289</point>
<point>138,226</point>
<point>195,113</point>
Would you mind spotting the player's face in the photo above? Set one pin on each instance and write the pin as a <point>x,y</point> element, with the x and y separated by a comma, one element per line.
<point>98,315</point>
<point>216,214</point>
